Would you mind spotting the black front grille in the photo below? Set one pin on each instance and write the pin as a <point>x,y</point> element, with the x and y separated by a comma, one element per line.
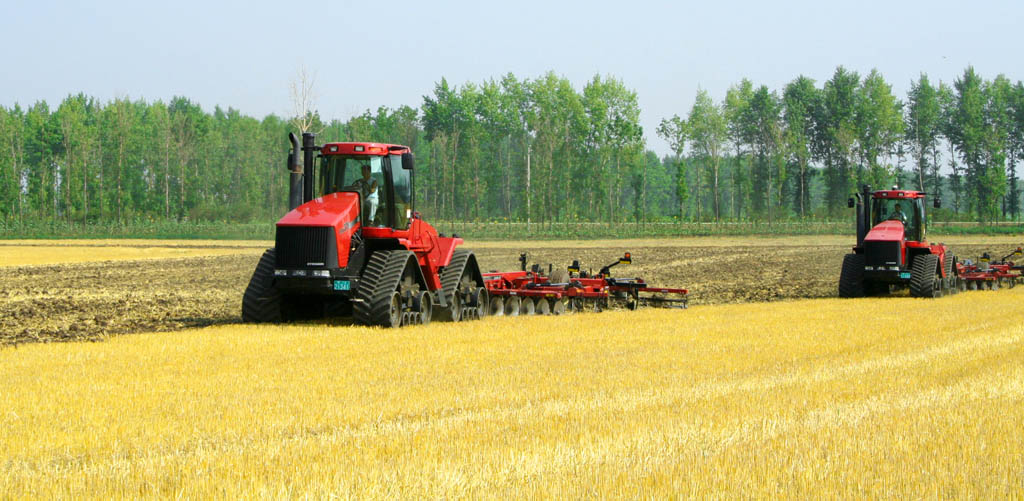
<point>305,247</point>
<point>882,253</point>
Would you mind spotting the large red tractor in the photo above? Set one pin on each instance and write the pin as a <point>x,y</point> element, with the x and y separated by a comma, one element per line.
<point>891,248</point>
<point>352,244</point>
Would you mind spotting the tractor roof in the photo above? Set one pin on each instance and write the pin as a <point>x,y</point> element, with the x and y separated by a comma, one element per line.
<point>372,149</point>
<point>900,194</point>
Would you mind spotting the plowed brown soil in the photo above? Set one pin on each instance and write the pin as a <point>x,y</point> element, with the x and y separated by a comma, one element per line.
<point>88,301</point>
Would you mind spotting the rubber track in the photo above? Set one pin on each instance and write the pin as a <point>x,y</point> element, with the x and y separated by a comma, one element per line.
<point>380,280</point>
<point>947,265</point>
<point>922,275</point>
<point>452,273</point>
<point>851,278</point>
<point>261,301</point>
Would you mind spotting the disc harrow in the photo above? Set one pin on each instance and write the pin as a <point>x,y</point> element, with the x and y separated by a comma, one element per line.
<point>987,273</point>
<point>573,289</point>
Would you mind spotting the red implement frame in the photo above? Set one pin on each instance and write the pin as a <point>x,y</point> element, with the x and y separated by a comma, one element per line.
<point>989,274</point>
<point>581,291</point>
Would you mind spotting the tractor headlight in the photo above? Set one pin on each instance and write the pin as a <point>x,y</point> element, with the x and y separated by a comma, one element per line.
<point>894,268</point>
<point>869,268</point>
<point>299,273</point>
<point>321,273</point>
<point>280,273</point>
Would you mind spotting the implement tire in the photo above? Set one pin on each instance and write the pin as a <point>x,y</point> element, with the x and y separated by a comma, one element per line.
<point>851,277</point>
<point>262,301</point>
<point>924,276</point>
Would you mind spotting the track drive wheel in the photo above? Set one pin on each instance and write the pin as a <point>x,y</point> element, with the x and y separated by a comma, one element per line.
<point>379,299</point>
<point>924,276</point>
<point>851,277</point>
<point>459,283</point>
<point>949,282</point>
<point>262,301</point>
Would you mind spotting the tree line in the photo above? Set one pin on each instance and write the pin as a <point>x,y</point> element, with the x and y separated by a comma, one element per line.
<point>538,151</point>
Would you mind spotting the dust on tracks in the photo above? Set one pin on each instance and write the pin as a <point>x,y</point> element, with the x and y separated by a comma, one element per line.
<point>89,301</point>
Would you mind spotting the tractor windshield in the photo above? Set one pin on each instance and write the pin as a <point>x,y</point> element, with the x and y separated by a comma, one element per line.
<point>363,174</point>
<point>907,211</point>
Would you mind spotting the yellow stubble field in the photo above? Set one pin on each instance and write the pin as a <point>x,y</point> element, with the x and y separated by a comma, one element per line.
<point>879,397</point>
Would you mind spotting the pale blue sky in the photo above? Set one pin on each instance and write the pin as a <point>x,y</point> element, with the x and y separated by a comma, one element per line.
<point>367,54</point>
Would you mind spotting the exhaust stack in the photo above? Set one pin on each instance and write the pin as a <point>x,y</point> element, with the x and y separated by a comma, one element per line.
<point>295,178</point>
<point>307,160</point>
<point>863,214</point>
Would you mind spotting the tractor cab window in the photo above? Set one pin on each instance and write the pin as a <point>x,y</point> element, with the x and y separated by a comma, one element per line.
<point>402,179</point>
<point>362,174</point>
<point>906,211</point>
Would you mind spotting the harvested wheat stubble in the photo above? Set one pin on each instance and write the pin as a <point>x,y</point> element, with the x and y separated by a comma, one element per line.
<point>796,399</point>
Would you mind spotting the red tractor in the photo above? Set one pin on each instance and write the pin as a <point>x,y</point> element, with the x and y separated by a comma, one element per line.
<point>891,248</point>
<point>353,245</point>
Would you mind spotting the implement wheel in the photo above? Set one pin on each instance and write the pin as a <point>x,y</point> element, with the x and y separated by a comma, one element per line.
<point>497,306</point>
<point>527,307</point>
<point>512,306</point>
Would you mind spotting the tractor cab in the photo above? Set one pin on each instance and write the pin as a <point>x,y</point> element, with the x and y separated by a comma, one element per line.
<point>907,207</point>
<point>381,175</point>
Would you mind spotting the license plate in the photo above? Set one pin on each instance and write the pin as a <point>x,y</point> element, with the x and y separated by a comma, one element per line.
<point>342,285</point>
<point>903,274</point>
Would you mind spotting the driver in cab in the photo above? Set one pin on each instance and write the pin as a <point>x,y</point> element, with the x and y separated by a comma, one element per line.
<point>367,187</point>
<point>898,215</point>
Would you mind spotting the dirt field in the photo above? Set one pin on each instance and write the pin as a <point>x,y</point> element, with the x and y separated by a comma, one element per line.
<point>89,300</point>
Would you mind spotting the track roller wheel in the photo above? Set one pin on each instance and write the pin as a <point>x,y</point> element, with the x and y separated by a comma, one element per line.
<point>512,306</point>
<point>480,302</point>
<point>497,306</point>
<point>851,277</point>
<point>424,305</point>
<point>542,306</point>
<point>924,276</point>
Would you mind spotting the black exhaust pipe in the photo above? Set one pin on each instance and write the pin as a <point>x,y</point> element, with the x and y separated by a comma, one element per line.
<point>863,214</point>
<point>295,178</point>
<point>307,160</point>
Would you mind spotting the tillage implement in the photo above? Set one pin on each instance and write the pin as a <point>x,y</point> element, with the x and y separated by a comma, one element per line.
<point>353,245</point>
<point>573,289</point>
<point>991,274</point>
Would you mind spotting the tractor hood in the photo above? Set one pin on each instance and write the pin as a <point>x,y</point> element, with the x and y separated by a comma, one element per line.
<point>886,231</point>
<point>337,210</point>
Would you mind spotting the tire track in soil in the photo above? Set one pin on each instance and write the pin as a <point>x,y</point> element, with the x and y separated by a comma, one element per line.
<point>89,301</point>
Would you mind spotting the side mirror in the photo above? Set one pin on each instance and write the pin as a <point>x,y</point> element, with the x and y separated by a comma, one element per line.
<point>407,161</point>
<point>850,203</point>
<point>937,203</point>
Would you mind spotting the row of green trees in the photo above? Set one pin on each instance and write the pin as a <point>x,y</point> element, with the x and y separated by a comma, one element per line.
<point>850,131</point>
<point>538,151</point>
